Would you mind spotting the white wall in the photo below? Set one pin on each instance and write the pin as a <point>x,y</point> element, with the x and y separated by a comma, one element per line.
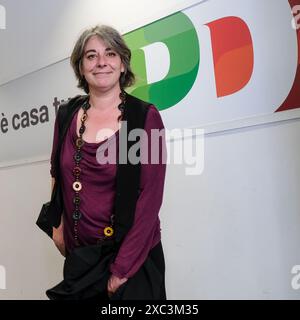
<point>232,232</point>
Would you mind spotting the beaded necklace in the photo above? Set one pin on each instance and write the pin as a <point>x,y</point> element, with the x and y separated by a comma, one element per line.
<point>77,186</point>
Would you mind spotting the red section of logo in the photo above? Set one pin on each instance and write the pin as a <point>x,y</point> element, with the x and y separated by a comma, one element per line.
<point>232,53</point>
<point>293,99</point>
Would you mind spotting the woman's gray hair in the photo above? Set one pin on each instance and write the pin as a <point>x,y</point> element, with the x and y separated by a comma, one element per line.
<point>114,40</point>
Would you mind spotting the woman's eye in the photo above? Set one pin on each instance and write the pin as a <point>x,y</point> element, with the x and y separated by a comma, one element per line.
<point>91,56</point>
<point>111,54</point>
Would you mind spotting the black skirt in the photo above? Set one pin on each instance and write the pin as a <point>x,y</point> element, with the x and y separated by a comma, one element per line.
<point>86,273</point>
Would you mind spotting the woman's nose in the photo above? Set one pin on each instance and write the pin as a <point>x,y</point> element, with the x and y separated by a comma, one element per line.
<point>101,60</point>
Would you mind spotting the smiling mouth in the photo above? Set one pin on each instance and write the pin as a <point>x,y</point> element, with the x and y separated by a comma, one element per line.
<point>101,73</point>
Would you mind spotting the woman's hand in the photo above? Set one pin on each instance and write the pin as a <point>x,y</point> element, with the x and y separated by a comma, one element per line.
<point>58,238</point>
<point>114,283</point>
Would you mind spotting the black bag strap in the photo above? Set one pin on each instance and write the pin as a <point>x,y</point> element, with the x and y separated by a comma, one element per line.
<point>65,114</point>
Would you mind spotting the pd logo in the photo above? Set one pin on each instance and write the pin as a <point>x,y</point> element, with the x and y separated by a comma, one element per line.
<point>2,17</point>
<point>219,63</point>
<point>172,46</point>
<point>233,54</point>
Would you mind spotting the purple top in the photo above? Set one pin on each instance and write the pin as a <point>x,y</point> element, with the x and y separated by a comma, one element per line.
<point>98,195</point>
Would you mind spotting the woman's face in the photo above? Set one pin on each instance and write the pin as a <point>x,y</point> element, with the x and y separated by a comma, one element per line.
<point>101,65</point>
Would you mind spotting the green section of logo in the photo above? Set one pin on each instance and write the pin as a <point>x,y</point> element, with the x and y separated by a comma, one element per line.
<point>178,34</point>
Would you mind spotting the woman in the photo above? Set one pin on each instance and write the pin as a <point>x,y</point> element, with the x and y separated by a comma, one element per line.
<point>94,205</point>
